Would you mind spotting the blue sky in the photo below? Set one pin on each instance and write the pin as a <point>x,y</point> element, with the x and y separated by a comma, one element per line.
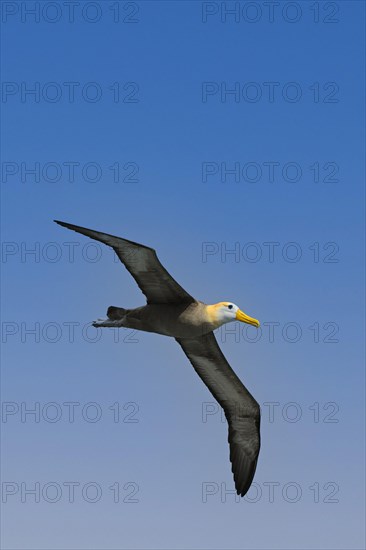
<point>133,128</point>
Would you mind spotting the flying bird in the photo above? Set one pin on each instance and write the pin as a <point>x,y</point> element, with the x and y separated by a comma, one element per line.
<point>171,311</point>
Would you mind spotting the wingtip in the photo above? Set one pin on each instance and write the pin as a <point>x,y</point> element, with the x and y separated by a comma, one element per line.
<point>242,489</point>
<point>64,224</point>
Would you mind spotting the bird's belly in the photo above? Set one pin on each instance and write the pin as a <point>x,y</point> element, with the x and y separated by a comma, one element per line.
<point>175,321</point>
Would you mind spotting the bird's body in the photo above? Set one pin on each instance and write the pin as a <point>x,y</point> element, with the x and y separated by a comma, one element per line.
<point>171,311</point>
<point>175,320</point>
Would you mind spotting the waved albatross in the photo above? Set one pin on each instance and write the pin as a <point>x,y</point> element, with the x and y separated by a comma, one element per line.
<point>171,311</point>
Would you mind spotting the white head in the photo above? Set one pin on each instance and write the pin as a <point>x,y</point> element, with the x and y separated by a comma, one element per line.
<point>226,312</point>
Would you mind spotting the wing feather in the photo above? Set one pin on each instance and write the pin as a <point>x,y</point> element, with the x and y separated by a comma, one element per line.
<point>142,262</point>
<point>241,409</point>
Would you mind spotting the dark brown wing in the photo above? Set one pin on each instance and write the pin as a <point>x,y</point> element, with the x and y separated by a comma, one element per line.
<point>142,262</point>
<point>241,409</point>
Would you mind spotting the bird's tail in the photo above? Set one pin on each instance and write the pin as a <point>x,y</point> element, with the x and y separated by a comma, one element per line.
<point>116,313</point>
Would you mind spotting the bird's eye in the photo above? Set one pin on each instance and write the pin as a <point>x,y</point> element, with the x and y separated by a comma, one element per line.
<point>230,306</point>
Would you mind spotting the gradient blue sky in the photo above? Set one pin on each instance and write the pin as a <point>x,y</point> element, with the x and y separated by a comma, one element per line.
<point>170,454</point>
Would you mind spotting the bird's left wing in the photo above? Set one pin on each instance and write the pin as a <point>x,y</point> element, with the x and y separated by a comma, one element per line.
<point>142,262</point>
<point>241,409</point>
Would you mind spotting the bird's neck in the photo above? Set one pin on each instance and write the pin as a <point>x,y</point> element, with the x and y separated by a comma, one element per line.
<point>212,315</point>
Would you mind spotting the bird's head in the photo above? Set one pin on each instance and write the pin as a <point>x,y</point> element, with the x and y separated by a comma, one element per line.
<point>225,312</point>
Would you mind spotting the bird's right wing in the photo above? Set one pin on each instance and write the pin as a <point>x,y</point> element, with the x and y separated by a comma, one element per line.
<point>241,409</point>
<point>142,262</point>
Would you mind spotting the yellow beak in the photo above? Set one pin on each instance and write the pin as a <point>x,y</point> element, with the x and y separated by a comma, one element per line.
<point>241,316</point>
